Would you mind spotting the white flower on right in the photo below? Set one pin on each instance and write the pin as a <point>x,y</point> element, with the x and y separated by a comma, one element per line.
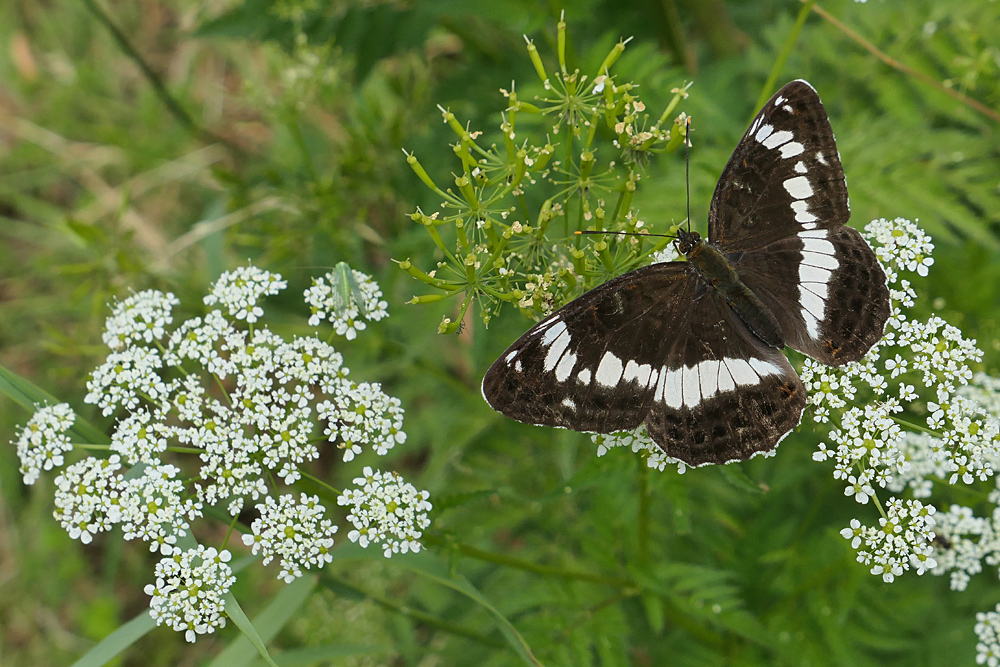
<point>386,510</point>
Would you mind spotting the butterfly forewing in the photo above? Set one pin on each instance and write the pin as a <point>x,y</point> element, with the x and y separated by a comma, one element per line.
<point>590,365</point>
<point>784,176</point>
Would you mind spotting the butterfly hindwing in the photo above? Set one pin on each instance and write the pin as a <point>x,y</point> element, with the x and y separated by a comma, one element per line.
<point>826,289</point>
<point>589,365</point>
<point>784,177</point>
<point>724,395</point>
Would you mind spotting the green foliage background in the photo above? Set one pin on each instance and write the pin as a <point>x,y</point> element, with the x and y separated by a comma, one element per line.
<point>103,189</point>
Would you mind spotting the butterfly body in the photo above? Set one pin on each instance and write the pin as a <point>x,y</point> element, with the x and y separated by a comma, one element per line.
<point>693,349</point>
<point>717,272</point>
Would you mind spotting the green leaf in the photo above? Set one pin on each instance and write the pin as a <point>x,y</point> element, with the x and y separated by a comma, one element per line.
<point>240,620</point>
<point>26,394</point>
<point>435,569</point>
<point>274,617</point>
<point>114,644</point>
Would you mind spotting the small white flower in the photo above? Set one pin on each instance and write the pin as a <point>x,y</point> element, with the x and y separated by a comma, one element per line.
<point>240,289</point>
<point>87,497</point>
<point>359,415</point>
<point>386,510</point>
<point>43,441</point>
<point>325,302</point>
<point>189,593</point>
<point>141,318</point>
<point>295,532</point>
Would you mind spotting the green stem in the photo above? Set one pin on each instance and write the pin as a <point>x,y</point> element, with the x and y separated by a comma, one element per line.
<point>786,51</point>
<point>320,482</point>
<point>232,525</point>
<point>567,166</point>
<point>509,561</point>
<point>173,106</point>
<point>422,617</point>
<point>916,427</point>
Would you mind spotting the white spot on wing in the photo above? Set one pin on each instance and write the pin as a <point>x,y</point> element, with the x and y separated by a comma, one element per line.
<point>812,303</point>
<point>778,100</point>
<point>812,325</point>
<point>557,349</point>
<point>820,158</point>
<point>778,138</point>
<point>802,213</point>
<point>763,133</point>
<point>822,246</point>
<point>822,261</point>
<point>565,366</point>
<point>672,394</point>
<point>726,382</point>
<point>821,234</point>
<point>813,275</point>
<point>799,187</point>
<point>584,376</point>
<point>708,372</point>
<point>553,333</point>
<point>787,107</point>
<point>568,402</point>
<point>510,357</point>
<point>743,374</point>
<point>764,367</point>
<point>609,371</point>
<point>517,366</point>
<point>800,167</point>
<point>791,149</point>
<point>691,386</point>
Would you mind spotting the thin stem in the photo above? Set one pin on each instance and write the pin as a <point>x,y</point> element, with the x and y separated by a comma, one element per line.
<point>422,617</point>
<point>906,69</point>
<point>786,50</point>
<point>320,482</point>
<point>509,561</point>
<point>916,427</point>
<point>232,525</point>
<point>173,106</point>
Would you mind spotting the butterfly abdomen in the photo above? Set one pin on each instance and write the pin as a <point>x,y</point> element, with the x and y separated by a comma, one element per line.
<point>718,274</point>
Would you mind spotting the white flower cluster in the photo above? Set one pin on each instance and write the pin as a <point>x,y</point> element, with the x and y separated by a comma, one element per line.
<point>640,443</point>
<point>240,290</point>
<point>386,510</point>
<point>43,440</point>
<point>325,301</point>
<point>988,631</point>
<point>295,532</point>
<point>88,497</point>
<point>362,414</point>
<point>189,593</point>
<point>246,407</point>
<point>901,540</point>
<point>141,318</point>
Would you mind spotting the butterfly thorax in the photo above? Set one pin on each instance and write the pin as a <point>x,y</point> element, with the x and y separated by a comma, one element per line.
<point>717,272</point>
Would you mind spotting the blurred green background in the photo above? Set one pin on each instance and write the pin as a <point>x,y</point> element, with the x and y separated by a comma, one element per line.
<point>291,156</point>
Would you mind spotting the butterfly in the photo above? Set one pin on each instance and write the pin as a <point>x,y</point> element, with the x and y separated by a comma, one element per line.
<point>694,349</point>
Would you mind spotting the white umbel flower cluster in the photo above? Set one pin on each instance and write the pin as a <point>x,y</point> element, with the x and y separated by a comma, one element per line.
<point>190,589</point>
<point>88,497</point>
<point>325,301</point>
<point>988,631</point>
<point>900,541</point>
<point>239,411</point>
<point>386,510</point>
<point>239,291</point>
<point>296,533</point>
<point>43,440</point>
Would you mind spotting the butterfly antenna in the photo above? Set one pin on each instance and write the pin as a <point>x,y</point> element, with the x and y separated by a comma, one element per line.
<point>687,168</point>
<point>610,231</point>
